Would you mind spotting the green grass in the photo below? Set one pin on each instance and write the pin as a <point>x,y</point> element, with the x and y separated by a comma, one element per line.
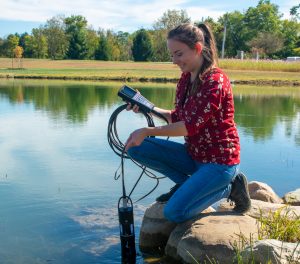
<point>261,72</point>
<point>280,225</point>
<point>261,65</point>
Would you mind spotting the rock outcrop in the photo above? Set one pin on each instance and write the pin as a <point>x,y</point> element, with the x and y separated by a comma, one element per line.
<point>263,192</point>
<point>293,197</point>
<point>156,229</point>
<point>259,208</point>
<point>213,237</point>
<point>272,251</point>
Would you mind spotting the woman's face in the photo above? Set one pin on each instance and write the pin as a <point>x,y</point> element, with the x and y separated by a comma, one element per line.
<point>187,59</point>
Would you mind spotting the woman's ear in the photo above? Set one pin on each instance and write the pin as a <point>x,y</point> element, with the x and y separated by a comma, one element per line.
<point>198,48</point>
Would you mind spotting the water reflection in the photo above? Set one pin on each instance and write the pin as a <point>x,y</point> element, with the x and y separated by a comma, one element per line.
<point>258,109</point>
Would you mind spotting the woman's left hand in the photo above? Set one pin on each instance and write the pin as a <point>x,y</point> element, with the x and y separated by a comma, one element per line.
<point>136,138</point>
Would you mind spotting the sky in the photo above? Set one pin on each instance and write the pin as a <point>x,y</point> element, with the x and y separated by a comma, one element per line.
<point>19,16</point>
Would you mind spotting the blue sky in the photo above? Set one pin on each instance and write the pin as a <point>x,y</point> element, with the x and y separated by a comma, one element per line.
<point>126,15</point>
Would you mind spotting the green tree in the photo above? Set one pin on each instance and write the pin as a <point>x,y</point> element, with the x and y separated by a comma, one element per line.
<point>104,50</point>
<point>114,45</point>
<point>23,44</point>
<point>235,33</point>
<point>28,46</point>
<point>142,49</point>
<point>56,37</point>
<point>10,44</point>
<point>125,44</point>
<point>290,31</point>
<point>76,29</point>
<point>1,47</point>
<point>40,43</point>
<point>109,46</point>
<point>92,42</point>
<point>265,17</point>
<point>295,11</point>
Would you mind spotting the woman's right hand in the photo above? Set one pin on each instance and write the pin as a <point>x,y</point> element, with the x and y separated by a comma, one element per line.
<point>134,108</point>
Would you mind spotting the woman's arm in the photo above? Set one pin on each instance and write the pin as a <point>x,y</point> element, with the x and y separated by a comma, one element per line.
<point>166,113</point>
<point>172,130</point>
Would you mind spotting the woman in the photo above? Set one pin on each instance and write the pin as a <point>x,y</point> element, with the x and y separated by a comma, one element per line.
<point>205,168</point>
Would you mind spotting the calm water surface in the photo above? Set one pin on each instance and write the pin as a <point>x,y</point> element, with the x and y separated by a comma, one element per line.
<point>58,197</point>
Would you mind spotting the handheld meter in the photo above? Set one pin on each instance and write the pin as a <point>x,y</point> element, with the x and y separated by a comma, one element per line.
<point>130,95</point>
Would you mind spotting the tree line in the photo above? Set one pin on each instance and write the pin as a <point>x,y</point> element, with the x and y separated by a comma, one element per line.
<point>258,30</point>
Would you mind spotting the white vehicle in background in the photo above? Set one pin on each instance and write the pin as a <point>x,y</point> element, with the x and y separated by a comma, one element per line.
<point>293,59</point>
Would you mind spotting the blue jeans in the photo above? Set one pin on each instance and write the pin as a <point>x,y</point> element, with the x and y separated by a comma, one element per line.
<point>203,184</point>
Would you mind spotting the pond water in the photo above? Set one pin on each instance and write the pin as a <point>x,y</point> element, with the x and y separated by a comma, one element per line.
<point>58,196</point>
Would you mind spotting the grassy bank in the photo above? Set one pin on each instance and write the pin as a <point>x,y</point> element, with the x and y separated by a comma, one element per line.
<point>240,72</point>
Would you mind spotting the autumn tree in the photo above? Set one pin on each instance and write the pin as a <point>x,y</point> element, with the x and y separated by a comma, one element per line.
<point>18,52</point>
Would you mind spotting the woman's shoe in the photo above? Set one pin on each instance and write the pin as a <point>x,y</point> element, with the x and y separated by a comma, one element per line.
<point>240,194</point>
<point>166,196</point>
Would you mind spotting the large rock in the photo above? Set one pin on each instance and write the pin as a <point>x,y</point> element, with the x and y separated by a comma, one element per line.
<point>210,238</point>
<point>259,208</point>
<point>156,229</point>
<point>272,251</point>
<point>263,192</point>
<point>293,197</point>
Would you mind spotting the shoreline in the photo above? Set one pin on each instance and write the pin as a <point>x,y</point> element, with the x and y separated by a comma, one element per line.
<point>263,82</point>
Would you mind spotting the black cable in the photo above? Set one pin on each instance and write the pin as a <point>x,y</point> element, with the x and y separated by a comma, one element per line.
<point>118,147</point>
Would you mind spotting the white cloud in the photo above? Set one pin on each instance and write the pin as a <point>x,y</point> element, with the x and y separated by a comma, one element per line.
<point>107,14</point>
<point>126,15</point>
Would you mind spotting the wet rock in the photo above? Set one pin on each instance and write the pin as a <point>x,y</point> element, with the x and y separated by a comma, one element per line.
<point>156,229</point>
<point>263,192</point>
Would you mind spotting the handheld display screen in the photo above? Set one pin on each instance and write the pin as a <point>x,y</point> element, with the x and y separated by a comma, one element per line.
<point>130,95</point>
<point>130,92</point>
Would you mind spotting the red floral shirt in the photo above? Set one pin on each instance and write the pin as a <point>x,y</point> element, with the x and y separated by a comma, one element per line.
<point>209,119</point>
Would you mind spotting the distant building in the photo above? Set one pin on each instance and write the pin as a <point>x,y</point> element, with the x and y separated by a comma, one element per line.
<point>293,59</point>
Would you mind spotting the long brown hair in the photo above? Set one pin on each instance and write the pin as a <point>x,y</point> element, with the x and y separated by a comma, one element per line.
<point>190,35</point>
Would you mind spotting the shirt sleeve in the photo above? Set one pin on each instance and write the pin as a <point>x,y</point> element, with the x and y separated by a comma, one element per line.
<point>174,116</point>
<point>204,104</point>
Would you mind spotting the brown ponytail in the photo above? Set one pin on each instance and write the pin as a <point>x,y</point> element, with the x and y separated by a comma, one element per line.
<point>190,34</point>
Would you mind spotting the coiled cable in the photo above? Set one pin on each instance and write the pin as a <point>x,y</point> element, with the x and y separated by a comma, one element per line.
<point>118,147</point>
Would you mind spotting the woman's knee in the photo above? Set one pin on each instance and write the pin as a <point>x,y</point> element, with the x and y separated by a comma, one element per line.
<point>134,152</point>
<point>173,214</point>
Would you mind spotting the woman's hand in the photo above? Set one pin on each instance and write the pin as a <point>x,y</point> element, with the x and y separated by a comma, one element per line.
<point>134,108</point>
<point>136,138</point>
